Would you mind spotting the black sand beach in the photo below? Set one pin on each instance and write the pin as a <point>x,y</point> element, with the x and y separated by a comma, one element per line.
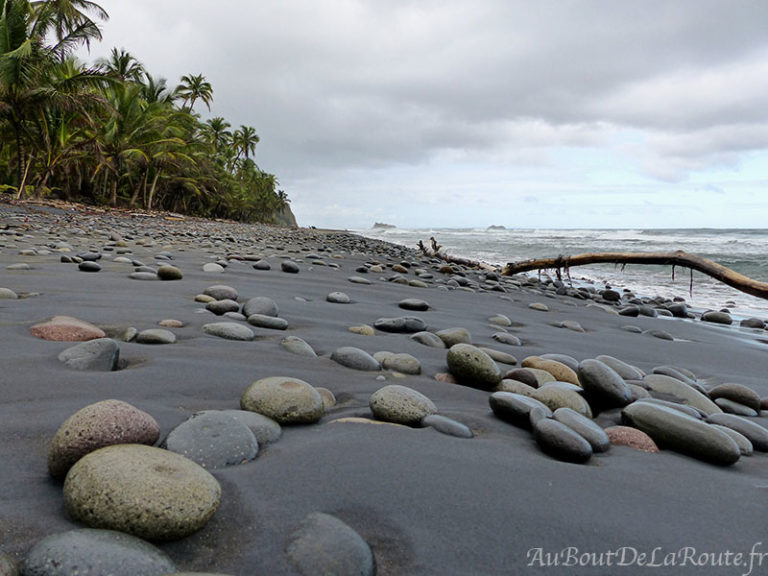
<point>427,503</point>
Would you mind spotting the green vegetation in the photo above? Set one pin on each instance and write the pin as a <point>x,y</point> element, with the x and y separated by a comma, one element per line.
<point>111,133</point>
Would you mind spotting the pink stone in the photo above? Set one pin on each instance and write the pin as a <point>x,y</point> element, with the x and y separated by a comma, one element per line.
<point>445,377</point>
<point>67,329</point>
<point>632,437</point>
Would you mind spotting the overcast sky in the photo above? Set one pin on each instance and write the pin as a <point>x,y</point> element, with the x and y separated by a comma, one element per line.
<point>450,113</point>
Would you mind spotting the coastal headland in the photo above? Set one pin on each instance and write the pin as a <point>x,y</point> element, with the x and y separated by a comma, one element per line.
<point>415,461</point>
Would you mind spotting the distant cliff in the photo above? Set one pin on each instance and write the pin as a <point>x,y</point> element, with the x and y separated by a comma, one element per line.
<point>285,217</point>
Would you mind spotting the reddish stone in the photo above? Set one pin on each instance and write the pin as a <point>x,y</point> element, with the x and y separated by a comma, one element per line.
<point>67,329</point>
<point>632,437</point>
<point>445,377</point>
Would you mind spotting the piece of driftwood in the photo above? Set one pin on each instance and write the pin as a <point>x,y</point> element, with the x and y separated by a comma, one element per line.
<point>677,258</point>
<point>434,252</point>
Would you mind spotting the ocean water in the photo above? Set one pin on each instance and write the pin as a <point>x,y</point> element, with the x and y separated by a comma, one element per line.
<point>743,250</point>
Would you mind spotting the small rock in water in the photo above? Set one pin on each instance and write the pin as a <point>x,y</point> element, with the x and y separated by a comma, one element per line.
<point>401,405</point>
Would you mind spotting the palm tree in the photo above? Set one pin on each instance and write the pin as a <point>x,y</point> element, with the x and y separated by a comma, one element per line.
<point>216,132</point>
<point>244,140</point>
<point>156,90</point>
<point>68,20</point>
<point>28,86</point>
<point>194,88</point>
<point>123,65</point>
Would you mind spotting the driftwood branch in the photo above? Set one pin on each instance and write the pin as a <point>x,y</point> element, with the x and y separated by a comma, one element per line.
<point>434,252</point>
<point>678,258</point>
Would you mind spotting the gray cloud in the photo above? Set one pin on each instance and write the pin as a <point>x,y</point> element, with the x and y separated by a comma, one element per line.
<point>339,85</point>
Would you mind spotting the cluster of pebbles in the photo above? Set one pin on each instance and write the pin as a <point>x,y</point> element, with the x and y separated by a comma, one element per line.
<point>130,484</point>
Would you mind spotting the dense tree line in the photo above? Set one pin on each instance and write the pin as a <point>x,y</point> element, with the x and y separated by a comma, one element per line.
<point>110,132</point>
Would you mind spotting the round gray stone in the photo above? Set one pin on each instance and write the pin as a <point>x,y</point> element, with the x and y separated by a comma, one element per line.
<point>143,275</point>
<point>260,305</point>
<point>296,345</point>
<point>289,267</point>
<point>324,545</point>
<point>413,304</point>
<point>717,317</point>
<point>148,492</point>
<point>95,426</point>
<point>270,322</point>
<point>473,367</point>
<point>264,429</point>
<point>213,440</point>
<point>221,307</point>
<point>155,336</point>
<point>401,405</point>
<point>89,552</point>
<point>507,338</point>
<point>403,363</point>
<point>355,358</point>
<point>228,331</point>
<point>221,292</point>
<point>100,354</point>
<point>286,400</point>
<point>452,336</point>
<point>428,339</point>
<point>338,298</point>
<point>402,325</point>
<point>261,265</point>
<point>89,266</point>
<point>8,294</point>
<point>626,371</point>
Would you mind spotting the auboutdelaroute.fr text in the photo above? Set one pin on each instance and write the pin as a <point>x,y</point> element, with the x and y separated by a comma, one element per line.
<point>745,561</point>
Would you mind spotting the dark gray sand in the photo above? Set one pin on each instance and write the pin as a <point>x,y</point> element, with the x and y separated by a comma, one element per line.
<point>427,503</point>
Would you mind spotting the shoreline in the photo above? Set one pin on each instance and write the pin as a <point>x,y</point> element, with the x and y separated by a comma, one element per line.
<point>425,502</point>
